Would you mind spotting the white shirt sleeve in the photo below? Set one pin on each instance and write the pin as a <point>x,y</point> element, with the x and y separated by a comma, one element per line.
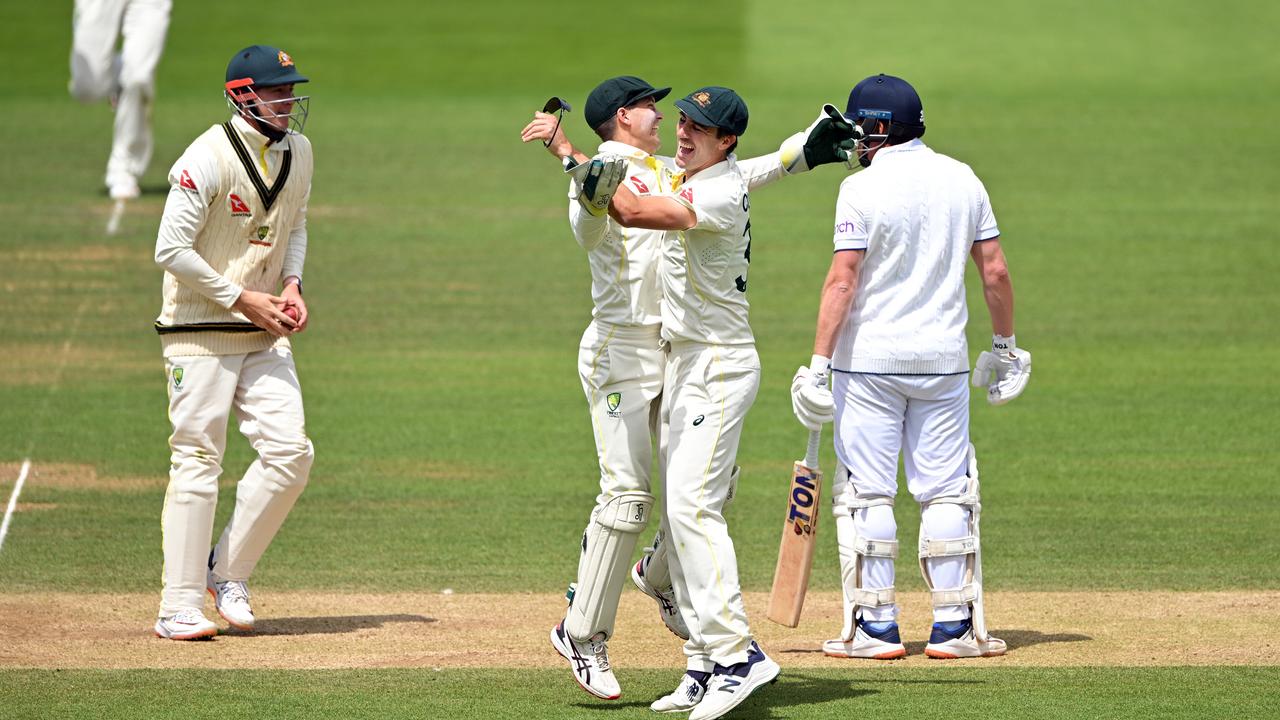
<point>295,255</point>
<point>588,229</point>
<point>761,171</point>
<point>851,232</point>
<point>716,204</point>
<point>987,227</point>
<point>193,188</point>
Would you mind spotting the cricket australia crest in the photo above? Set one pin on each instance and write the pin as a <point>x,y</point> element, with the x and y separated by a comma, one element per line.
<point>177,378</point>
<point>613,400</point>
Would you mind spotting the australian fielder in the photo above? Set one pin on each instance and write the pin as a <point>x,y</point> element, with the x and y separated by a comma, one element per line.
<point>232,235</point>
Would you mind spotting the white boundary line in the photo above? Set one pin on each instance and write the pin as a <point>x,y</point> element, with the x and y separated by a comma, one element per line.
<point>13,500</point>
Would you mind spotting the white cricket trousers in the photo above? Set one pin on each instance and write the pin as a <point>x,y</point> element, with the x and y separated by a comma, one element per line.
<point>97,72</point>
<point>621,371</point>
<point>262,388</point>
<point>709,389</point>
<point>925,418</point>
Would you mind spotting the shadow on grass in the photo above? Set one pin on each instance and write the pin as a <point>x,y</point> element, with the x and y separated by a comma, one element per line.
<point>791,690</point>
<point>328,625</point>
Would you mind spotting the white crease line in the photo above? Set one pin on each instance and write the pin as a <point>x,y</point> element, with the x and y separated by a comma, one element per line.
<point>13,500</point>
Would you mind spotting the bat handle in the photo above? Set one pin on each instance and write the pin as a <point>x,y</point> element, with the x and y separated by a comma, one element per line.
<point>811,454</point>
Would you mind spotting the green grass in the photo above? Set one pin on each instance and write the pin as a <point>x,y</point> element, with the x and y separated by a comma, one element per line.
<point>1128,153</point>
<point>1166,693</point>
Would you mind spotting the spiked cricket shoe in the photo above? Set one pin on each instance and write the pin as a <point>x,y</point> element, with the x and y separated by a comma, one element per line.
<point>730,685</point>
<point>875,640</point>
<point>951,640</point>
<point>666,599</point>
<point>686,696</point>
<point>589,662</point>
<point>231,598</point>
<point>189,624</point>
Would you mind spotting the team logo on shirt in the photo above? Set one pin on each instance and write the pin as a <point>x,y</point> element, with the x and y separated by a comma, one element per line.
<point>702,98</point>
<point>640,186</point>
<point>185,182</point>
<point>613,401</point>
<point>238,206</point>
<point>177,378</point>
<point>687,195</point>
<point>263,232</point>
<point>285,60</point>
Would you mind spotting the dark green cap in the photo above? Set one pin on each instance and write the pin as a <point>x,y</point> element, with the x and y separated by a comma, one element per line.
<point>265,66</point>
<point>717,107</point>
<point>618,92</point>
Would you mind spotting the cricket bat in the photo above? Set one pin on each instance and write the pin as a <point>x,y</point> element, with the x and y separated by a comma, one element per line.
<point>799,538</point>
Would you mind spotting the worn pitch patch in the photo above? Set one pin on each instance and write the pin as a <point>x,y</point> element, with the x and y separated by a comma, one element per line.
<point>302,630</point>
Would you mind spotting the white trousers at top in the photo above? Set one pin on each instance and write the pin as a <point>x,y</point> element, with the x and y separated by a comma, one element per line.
<point>926,419</point>
<point>709,389</point>
<point>97,72</point>
<point>621,371</point>
<point>262,388</point>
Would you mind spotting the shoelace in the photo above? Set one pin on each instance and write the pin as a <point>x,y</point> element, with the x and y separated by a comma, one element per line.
<point>187,617</point>
<point>233,591</point>
<point>601,653</point>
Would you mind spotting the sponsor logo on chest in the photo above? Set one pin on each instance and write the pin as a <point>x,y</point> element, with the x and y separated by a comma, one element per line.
<point>238,207</point>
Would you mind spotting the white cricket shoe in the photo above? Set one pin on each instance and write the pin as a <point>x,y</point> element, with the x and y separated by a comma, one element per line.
<point>124,189</point>
<point>951,640</point>
<point>231,598</point>
<point>666,599</point>
<point>686,695</point>
<point>878,641</point>
<point>730,685</point>
<point>589,661</point>
<point>189,624</point>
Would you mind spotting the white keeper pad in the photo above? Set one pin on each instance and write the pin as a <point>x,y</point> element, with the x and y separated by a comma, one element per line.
<point>609,540</point>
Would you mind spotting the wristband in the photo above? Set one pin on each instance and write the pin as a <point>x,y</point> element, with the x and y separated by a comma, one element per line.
<point>1002,344</point>
<point>820,364</point>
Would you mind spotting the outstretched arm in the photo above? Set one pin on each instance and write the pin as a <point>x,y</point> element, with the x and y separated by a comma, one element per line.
<point>546,127</point>
<point>653,212</point>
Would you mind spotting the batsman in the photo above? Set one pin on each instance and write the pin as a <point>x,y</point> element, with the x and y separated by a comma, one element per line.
<point>891,330</point>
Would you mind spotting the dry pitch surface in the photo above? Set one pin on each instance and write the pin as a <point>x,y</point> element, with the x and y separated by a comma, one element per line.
<point>308,630</point>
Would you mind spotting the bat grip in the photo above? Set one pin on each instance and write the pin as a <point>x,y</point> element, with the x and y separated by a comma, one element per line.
<point>811,453</point>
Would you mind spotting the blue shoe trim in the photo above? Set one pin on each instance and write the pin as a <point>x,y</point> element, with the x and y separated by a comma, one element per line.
<point>944,631</point>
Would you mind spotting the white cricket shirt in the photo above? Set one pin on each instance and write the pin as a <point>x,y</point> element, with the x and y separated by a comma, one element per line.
<point>624,261</point>
<point>916,213</point>
<point>704,268</point>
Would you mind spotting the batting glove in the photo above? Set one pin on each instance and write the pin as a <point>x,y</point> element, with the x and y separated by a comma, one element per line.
<point>596,181</point>
<point>811,399</point>
<point>829,139</point>
<point>1004,371</point>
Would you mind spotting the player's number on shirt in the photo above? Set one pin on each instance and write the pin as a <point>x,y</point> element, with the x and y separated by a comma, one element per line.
<point>741,280</point>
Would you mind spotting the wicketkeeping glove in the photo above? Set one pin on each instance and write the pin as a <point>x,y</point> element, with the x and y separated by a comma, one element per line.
<point>811,399</point>
<point>829,139</point>
<point>1004,371</point>
<point>596,181</point>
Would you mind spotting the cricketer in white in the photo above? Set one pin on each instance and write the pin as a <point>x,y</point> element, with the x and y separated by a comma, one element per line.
<point>233,231</point>
<point>891,329</point>
<point>622,359</point>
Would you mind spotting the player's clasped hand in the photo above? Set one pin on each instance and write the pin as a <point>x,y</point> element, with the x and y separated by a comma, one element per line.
<point>811,399</point>
<point>1004,370</point>
<point>597,181</point>
<point>266,311</point>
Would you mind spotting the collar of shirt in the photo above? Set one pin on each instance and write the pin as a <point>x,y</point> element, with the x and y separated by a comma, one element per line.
<point>253,139</point>
<point>623,149</point>
<point>910,146</point>
<point>729,164</point>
